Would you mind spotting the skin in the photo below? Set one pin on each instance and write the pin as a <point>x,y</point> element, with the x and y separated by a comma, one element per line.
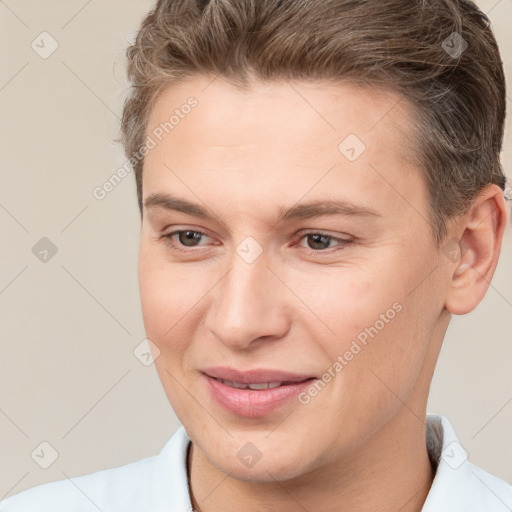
<point>360,443</point>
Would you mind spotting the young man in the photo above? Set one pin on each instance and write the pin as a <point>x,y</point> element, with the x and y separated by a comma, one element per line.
<point>320,190</point>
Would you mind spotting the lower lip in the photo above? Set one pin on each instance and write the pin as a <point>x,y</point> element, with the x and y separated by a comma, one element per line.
<point>253,403</point>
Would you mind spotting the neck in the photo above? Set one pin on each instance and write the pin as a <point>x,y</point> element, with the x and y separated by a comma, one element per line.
<point>391,472</point>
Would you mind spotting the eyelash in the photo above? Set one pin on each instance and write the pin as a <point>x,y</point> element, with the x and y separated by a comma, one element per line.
<point>341,245</point>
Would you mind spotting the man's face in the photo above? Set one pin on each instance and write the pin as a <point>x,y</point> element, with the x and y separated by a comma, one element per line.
<point>298,294</point>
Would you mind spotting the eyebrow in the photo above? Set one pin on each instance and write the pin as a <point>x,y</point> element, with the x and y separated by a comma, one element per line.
<point>318,208</point>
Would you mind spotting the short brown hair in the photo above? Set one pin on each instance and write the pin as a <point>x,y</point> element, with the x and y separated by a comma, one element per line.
<point>440,54</point>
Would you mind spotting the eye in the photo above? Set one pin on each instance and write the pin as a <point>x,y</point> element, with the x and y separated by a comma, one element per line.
<point>319,242</point>
<point>185,238</point>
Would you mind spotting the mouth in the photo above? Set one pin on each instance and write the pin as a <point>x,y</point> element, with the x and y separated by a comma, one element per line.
<point>254,393</point>
<point>235,377</point>
<point>258,386</point>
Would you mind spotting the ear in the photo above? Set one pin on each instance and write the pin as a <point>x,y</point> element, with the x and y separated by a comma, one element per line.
<point>473,255</point>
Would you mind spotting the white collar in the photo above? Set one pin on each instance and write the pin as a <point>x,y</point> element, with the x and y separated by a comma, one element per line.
<point>458,486</point>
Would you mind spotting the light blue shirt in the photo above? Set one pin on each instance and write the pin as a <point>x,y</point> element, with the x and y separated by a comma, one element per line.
<point>159,483</point>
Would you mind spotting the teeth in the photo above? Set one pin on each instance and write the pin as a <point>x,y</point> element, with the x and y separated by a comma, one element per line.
<point>263,385</point>
<point>234,384</point>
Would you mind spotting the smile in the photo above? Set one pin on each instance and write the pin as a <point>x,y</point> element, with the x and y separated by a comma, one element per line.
<point>253,399</point>
<point>254,386</point>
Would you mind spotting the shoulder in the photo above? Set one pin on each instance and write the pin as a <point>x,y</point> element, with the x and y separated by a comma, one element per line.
<point>492,485</point>
<point>153,484</point>
<point>122,488</point>
<point>459,485</point>
<point>472,488</point>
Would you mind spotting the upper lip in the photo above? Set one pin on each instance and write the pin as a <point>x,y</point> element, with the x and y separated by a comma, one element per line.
<point>254,376</point>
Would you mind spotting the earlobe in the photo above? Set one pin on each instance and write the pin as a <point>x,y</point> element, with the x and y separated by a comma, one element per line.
<point>482,229</point>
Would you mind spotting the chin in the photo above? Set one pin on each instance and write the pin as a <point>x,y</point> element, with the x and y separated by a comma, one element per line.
<point>269,468</point>
<point>263,473</point>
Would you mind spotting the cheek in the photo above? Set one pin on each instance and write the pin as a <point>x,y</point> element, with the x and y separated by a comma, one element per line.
<point>167,289</point>
<point>167,294</point>
<point>345,304</point>
<point>367,317</point>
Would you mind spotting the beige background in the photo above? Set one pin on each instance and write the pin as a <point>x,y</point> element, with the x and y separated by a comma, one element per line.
<point>68,375</point>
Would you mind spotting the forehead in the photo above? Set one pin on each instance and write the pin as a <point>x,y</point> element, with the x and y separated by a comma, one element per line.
<point>280,139</point>
<point>314,109</point>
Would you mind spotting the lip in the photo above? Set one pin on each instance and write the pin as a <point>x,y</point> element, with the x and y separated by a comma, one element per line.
<point>253,403</point>
<point>255,376</point>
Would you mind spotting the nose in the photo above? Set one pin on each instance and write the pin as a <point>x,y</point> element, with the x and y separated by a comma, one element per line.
<point>248,306</point>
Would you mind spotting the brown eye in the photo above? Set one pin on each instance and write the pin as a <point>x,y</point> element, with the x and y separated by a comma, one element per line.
<point>189,238</point>
<point>318,241</point>
<point>184,238</point>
